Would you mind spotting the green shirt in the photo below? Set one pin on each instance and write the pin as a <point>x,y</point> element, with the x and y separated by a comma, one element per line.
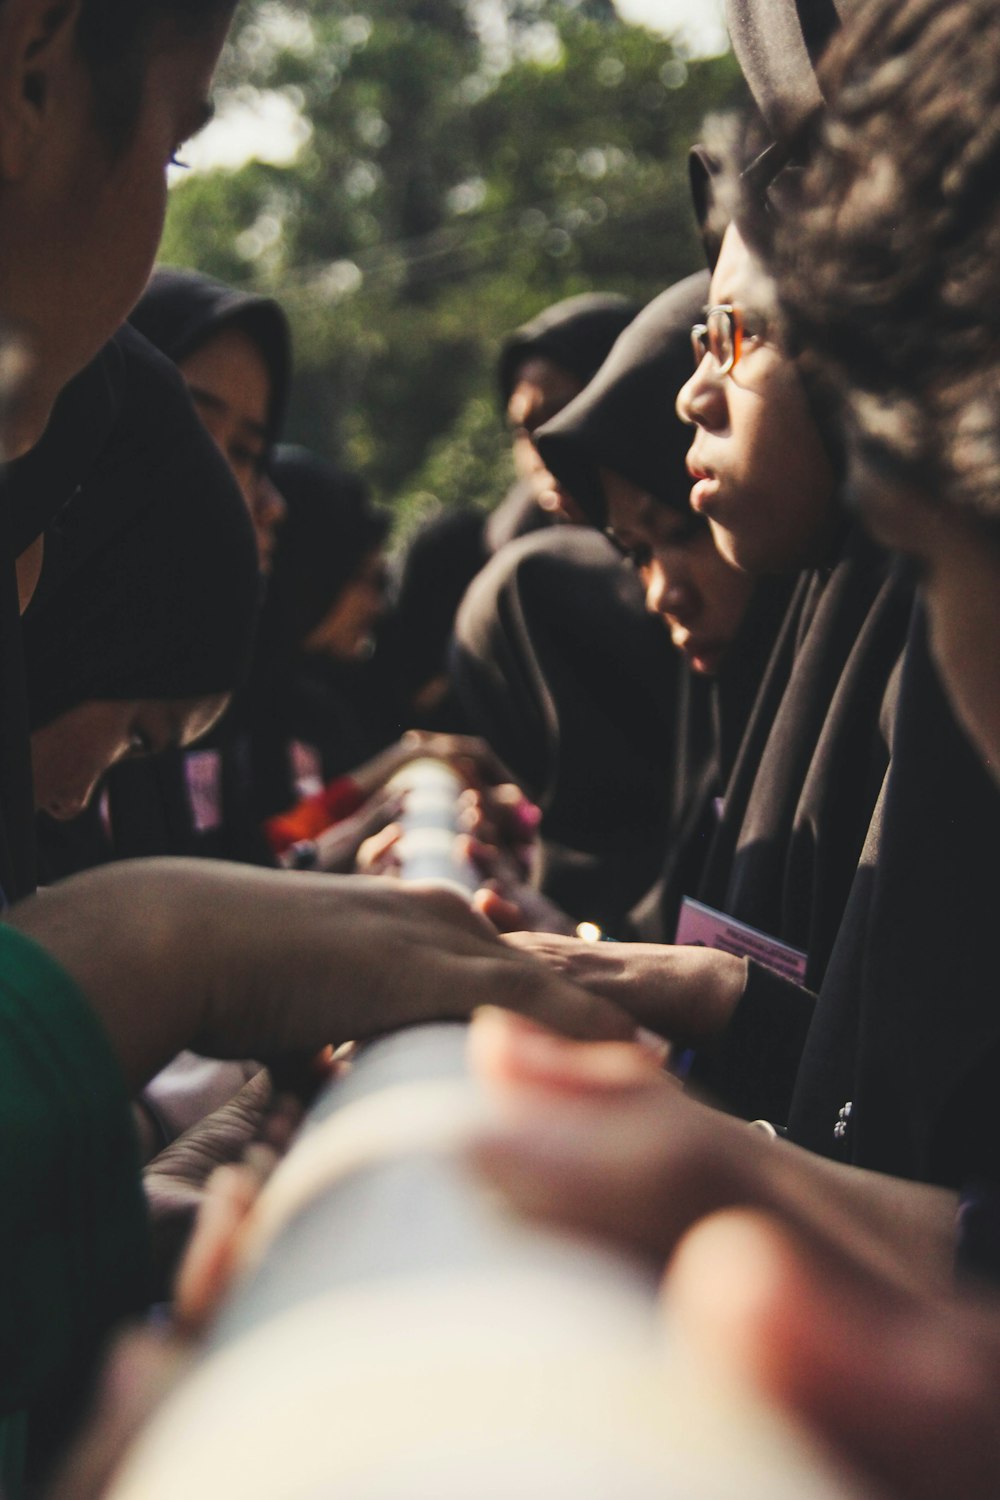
<point>73,1238</point>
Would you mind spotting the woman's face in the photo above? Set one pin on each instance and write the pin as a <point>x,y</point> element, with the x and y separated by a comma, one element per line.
<point>761,474</point>
<point>345,631</point>
<point>701,597</point>
<point>230,385</point>
<point>541,390</point>
<point>80,225</point>
<point>71,754</point>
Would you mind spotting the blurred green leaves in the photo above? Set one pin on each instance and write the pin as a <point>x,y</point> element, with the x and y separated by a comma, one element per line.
<point>454,169</point>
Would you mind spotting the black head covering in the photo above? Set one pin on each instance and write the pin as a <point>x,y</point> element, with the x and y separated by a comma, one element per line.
<point>625,418</point>
<point>181,311</point>
<point>329,529</point>
<point>440,562</point>
<point>33,489</point>
<point>82,419</point>
<point>778,44</point>
<point>576,335</point>
<point>150,585</point>
<point>570,679</point>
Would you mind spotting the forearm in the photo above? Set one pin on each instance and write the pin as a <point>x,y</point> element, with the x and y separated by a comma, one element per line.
<point>128,942</point>
<point>903,1229</point>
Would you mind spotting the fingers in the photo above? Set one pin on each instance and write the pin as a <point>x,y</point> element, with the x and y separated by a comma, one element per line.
<point>504,915</point>
<point>544,997</point>
<point>512,1052</point>
<point>142,1369</point>
<point>890,1382</point>
<point>377,855</point>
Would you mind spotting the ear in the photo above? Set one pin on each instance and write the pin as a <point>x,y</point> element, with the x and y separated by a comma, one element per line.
<point>37,51</point>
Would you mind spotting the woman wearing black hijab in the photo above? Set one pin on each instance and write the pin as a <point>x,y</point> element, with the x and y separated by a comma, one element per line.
<point>142,622</point>
<point>543,365</point>
<point>32,489</point>
<point>620,451</point>
<point>558,661</point>
<point>310,706</point>
<point>234,351</point>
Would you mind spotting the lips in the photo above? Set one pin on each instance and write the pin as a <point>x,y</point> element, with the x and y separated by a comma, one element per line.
<point>705,487</point>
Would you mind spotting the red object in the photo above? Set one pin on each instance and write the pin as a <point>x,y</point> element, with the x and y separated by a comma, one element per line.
<point>313,815</point>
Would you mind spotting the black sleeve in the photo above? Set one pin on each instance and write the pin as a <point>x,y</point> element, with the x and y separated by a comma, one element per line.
<point>752,1071</point>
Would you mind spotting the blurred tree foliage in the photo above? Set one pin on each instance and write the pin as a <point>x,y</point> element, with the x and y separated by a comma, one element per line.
<point>465,163</point>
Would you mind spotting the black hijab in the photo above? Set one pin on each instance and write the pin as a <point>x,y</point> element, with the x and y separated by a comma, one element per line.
<point>625,418</point>
<point>33,489</point>
<point>575,334</point>
<point>563,671</point>
<point>150,584</point>
<point>440,562</point>
<point>778,44</point>
<point>328,531</point>
<point>181,311</point>
<point>907,1029</point>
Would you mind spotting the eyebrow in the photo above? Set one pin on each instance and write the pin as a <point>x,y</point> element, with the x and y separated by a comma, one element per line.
<point>209,399</point>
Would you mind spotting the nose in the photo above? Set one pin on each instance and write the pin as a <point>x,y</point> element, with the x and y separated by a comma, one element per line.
<point>701,401</point>
<point>269,504</point>
<point>669,592</point>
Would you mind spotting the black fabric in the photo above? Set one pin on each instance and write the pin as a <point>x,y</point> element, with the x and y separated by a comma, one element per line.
<point>808,774</point>
<point>576,335</point>
<point>625,418</point>
<point>777,44</point>
<point>181,310</point>
<point>78,429</point>
<point>518,514</point>
<point>907,1030</point>
<point>329,530</point>
<point>562,670</point>
<point>33,489</point>
<point>440,562</point>
<point>292,696</point>
<point>711,719</point>
<point>150,584</point>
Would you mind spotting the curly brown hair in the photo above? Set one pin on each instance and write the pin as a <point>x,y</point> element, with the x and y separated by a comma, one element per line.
<point>887,259</point>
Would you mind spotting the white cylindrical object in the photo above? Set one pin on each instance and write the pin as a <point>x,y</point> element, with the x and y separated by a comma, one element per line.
<point>397,1336</point>
<point>427,847</point>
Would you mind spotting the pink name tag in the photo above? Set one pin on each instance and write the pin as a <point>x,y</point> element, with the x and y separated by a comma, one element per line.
<point>700,927</point>
<point>307,769</point>
<point>203,774</point>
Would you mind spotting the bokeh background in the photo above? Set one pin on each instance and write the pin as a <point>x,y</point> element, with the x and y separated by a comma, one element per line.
<point>415,177</point>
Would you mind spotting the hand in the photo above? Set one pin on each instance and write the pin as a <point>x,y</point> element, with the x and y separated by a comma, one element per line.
<point>507,900</point>
<point>175,1180</point>
<point>337,847</point>
<point>687,995</point>
<point>502,818</point>
<point>232,961</point>
<point>904,1387</point>
<point>598,1139</point>
<point>472,757</point>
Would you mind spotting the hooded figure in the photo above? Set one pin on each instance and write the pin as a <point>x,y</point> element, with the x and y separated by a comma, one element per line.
<point>575,334</point>
<point>559,665</point>
<point>181,311</point>
<point>308,708</point>
<point>572,339</point>
<point>150,588</point>
<point>411,659</point>
<point>624,422</point>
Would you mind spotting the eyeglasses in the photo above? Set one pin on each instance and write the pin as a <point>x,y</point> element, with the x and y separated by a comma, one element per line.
<point>721,335</point>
